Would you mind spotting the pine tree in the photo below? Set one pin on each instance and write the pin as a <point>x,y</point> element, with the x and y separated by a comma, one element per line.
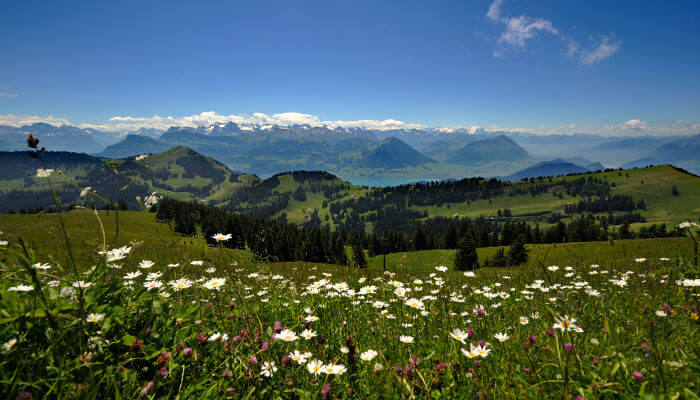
<point>420,242</point>
<point>517,253</point>
<point>466,257</point>
<point>450,239</point>
<point>358,255</point>
<point>674,191</point>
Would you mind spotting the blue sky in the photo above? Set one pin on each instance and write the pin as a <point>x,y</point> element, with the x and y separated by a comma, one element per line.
<point>547,67</point>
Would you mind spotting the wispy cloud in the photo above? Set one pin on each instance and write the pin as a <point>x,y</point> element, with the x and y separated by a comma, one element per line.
<point>494,12</point>
<point>518,30</point>
<point>605,49</point>
<point>521,29</point>
<point>3,94</point>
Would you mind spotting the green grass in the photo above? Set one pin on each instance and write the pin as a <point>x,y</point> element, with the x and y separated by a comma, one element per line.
<point>653,185</point>
<point>154,344</point>
<point>616,254</point>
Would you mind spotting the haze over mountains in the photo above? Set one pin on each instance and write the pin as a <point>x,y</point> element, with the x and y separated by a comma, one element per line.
<point>373,156</point>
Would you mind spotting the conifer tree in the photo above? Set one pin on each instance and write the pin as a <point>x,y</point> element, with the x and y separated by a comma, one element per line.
<point>358,255</point>
<point>517,253</point>
<point>450,240</point>
<point>420,242</point>
<point>466,257</point>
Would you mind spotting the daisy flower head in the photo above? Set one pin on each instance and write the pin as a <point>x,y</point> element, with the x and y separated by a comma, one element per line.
<point>82,284</point>
<point>315,367</point>
<point>287,335</point>
<point>145,264</point>
<point>214,283</point>
<point>459,335</point>
<point>219,237</point>
<point>471,353</point>
<point>368,355</point>
<point>93,318</point>
<point>311,318</point>
<point>179,284</point>
<point>482,351</point>
<point>501,337</point>
<point>406,339</point>
<point>368,289</point>
<point>132,275</point>
<point>415,303</point>
<point>308,334</point>
<point>21,288</point>
<point>152,285</point>
<point>268,369</point>
<point>564,323</point>
<point>9,345</point>
<point>218,337</point>
<point>299,357</point>
<point>41,266</point>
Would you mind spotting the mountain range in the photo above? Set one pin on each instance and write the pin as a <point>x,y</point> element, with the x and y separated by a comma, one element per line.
<point>365,156</point>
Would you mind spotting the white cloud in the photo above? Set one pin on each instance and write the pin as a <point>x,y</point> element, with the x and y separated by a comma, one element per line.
<point>19,120</point>
<point>131,123</point>
<point>124,123</point>
<point>633,125</point>
<point>494,12</point>
<point>605,49</point>
<point>519,30</point>
<point>3,94</point>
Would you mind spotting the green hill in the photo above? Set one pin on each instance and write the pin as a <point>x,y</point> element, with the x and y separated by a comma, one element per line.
<point>178,173</point>
<point>393,153</point>
<point>489,150</point>
<point>320,198</point>
<point>534,201</point>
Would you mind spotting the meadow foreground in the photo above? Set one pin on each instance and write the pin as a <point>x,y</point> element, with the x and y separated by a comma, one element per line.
<point>172,326</point>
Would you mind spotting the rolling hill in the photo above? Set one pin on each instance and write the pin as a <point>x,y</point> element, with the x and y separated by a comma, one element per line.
<point>547,168</point>
<point>178,172</point>
<point>321,198</point>
<point>133,145</point>
<point>500,148</point>
<point>393,153</point>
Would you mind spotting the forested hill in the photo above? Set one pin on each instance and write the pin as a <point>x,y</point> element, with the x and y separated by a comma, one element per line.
<point>640,197</point>
<point>178,172</point>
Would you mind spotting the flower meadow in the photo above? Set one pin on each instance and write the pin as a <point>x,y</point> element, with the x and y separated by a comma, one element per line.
<point>224,328</point>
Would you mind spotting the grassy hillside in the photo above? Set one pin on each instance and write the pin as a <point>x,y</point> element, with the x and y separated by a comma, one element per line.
<point>178,172</point>
<point>149,238</point>
<point>322,198</point>
<point>617,254</point>
<point>152,239</point>
<point>653,185</point>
